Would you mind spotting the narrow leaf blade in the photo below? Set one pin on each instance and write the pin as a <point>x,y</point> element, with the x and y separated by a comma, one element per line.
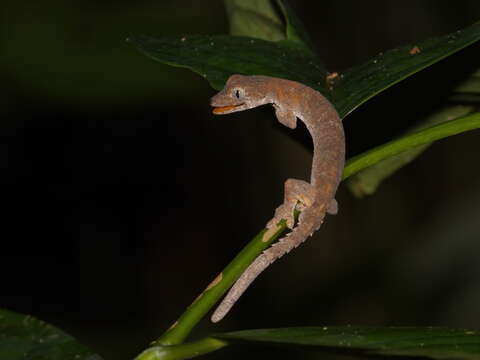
<point>433,342</point>
<point>366,182</point>
<point>362,82</point>
<point>426,136</point>
<point>218,57</point>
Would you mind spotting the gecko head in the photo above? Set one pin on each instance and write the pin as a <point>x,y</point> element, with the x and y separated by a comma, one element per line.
<point>240,93</point>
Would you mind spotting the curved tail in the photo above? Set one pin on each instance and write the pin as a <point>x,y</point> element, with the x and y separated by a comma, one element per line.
<point>297,236</point>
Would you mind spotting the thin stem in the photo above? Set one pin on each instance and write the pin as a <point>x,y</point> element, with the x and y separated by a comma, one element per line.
<point>428,135</point>
<point>184,351</point>
<point>205,301</point>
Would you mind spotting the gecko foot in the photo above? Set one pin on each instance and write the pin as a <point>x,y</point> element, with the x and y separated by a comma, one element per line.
<point>284,211</point>
<point>299,195</point>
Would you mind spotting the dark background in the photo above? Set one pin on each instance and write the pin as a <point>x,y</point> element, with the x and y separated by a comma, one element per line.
<point>122,196</point>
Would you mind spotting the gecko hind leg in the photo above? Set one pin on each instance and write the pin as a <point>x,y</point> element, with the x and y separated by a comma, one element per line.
<point>299,194</point>
<point>333,207</point>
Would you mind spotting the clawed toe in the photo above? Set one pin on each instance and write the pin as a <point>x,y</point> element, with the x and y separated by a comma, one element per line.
<point>285,212</point>
<point>274,222</point>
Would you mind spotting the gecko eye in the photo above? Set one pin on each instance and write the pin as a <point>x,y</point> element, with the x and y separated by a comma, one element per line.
<point>237,93</point>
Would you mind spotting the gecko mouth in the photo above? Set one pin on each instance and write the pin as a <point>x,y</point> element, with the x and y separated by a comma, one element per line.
<point>226,109</point>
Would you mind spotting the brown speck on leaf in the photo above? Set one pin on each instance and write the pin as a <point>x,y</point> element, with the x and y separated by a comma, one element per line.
<point>330,79</point>
<point>332,76</point>
<point>414,50</point>
<point>183,38</point>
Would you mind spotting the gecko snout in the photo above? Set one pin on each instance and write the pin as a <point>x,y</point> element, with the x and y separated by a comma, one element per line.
<point>224,105</point>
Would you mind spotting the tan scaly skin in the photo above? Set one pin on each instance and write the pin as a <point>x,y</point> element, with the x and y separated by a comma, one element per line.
<point>291,100</point>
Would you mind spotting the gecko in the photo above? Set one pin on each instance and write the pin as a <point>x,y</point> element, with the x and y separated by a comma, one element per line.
<point>291,100</point>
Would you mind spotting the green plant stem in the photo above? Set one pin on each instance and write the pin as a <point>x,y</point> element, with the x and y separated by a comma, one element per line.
<point>366,182</point>
<point>426,136</point>
<point>205,301</point>
<point>184,351</point>
<point>194,313</point>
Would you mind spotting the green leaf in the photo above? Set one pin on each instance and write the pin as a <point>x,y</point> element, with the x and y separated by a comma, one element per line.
<point>217,57</point>
<point>256,19</point>
<point>394,147</point>
<point>362,82</point>
<point>366,182</point>
<point>435,343</point>
<point>23,337</point>
<point>432,342</point>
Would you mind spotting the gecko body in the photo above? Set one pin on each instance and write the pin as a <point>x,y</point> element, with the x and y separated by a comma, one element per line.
<point>291,100</point>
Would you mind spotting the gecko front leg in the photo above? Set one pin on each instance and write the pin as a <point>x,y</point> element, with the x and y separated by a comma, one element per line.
<point>285,117</point>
